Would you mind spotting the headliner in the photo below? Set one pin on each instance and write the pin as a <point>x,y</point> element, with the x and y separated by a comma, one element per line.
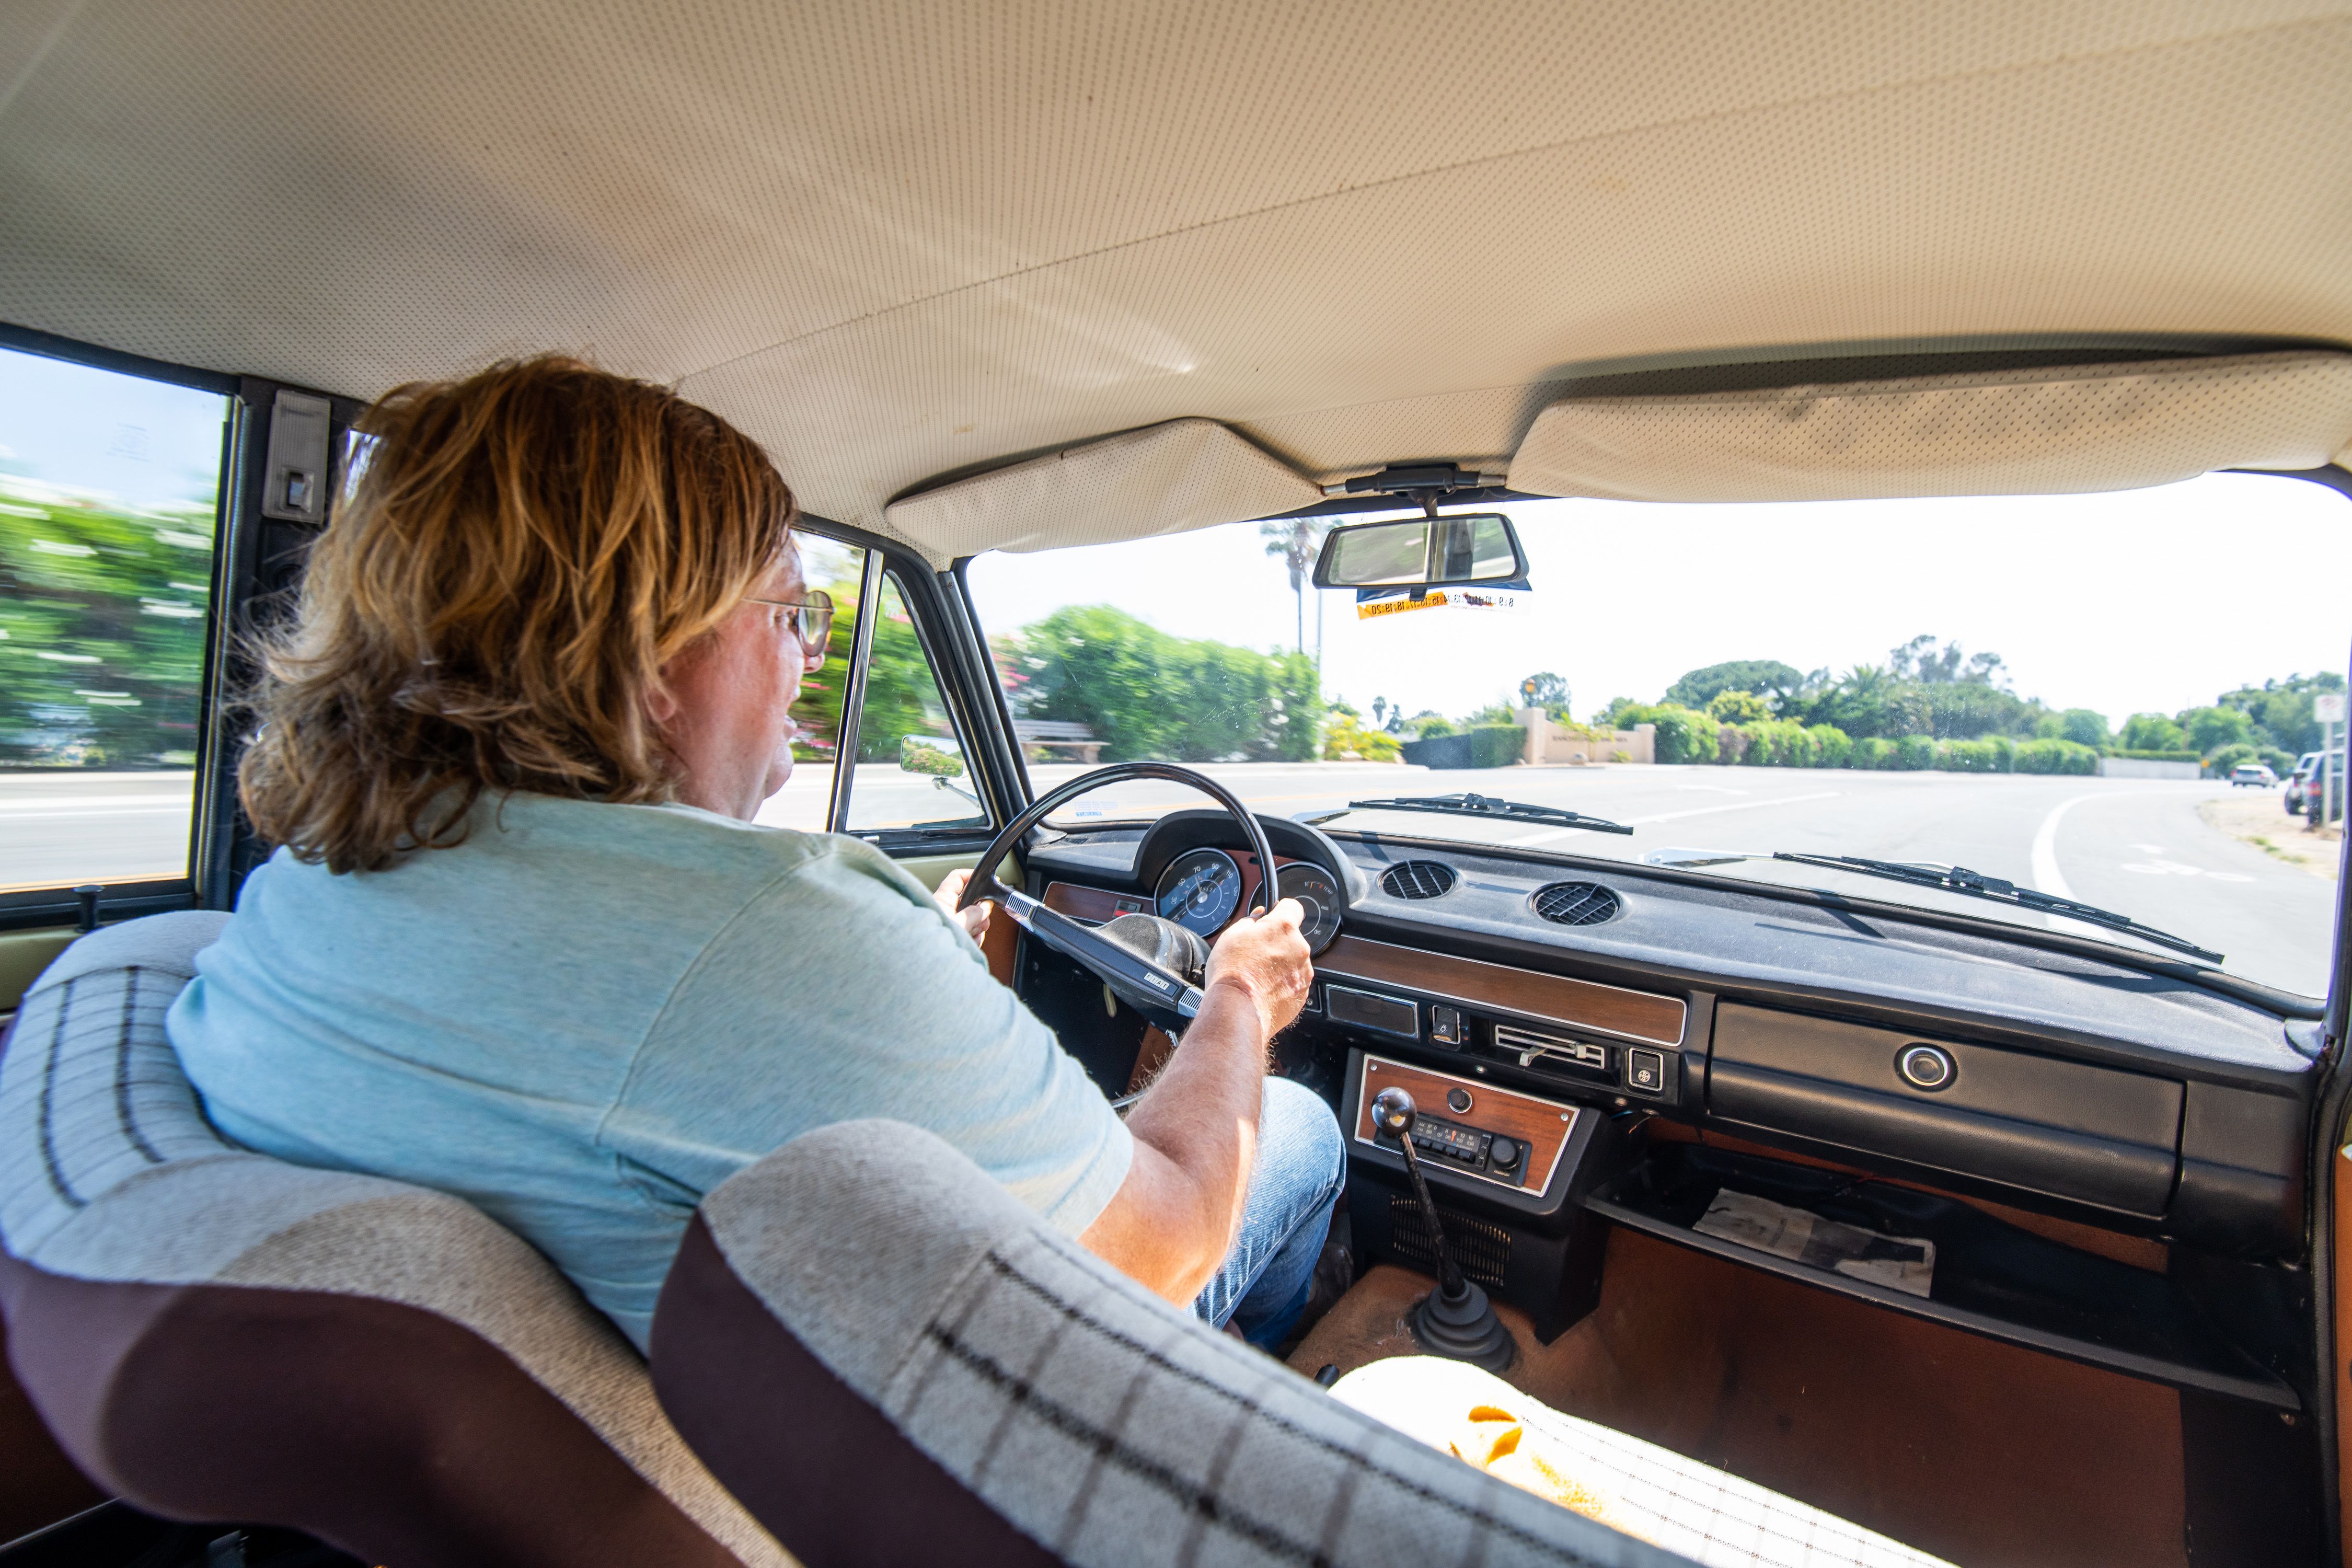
<point>898,241</point>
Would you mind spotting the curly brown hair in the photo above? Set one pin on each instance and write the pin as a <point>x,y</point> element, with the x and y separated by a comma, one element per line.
<point>522,552</point>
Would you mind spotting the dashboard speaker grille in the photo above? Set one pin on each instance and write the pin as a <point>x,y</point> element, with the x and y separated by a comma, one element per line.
<point>1577,904</point>
<point>1417,879</point>
<point>1482,1251</point>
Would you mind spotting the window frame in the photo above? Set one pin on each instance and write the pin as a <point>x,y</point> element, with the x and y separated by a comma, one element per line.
<point>947,639</point>
<point>37,907</point>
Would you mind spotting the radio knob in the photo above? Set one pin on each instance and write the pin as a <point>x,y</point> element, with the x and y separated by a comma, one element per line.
<point>1503,1153</point>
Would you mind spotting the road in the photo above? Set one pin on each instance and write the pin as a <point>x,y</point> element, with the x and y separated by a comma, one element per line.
<point>2130,845</point>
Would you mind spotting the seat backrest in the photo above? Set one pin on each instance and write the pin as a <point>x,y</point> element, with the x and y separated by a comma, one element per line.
<point>218,1335</point>
<point>891,1360</point>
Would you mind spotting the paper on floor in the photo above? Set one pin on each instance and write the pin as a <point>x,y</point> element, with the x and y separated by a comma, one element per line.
<point>1905,1263</point>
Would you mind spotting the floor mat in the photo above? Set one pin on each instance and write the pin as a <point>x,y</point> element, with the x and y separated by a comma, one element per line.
<point>1974,1450</point>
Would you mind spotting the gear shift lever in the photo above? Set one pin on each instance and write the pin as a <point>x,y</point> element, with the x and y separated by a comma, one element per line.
<point>1455,1320</point>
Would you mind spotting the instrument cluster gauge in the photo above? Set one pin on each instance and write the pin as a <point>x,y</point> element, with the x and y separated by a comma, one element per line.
<point>1318,893</point>
<point>1200,890</point>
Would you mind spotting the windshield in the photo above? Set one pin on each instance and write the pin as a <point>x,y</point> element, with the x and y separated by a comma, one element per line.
<point>2053,692</point>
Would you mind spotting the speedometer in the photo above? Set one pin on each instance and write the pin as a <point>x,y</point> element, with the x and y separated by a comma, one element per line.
<point>1318,895</point>
<point>1200,890</point>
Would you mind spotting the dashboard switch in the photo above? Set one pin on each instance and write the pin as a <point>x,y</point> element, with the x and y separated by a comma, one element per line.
<point>1445,1026</point>
<point>1645,1072</point>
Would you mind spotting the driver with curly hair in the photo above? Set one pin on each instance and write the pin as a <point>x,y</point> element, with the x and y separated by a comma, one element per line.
<point>521,940</point>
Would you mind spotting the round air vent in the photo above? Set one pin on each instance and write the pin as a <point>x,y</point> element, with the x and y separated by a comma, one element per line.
<point>1577,904</point>
<point>1417,879</point>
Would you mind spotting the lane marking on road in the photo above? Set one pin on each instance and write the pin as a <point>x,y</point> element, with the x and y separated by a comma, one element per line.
<point>89,802</point>
<point>2050,880</point>
<point>2046,875</point>
<point>182,809</point>
<point>1677,815</point>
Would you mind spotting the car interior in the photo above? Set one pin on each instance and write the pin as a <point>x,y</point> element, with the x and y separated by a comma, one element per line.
<point>1025,276</point>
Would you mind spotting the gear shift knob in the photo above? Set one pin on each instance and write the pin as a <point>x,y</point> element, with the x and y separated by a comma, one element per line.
<point>1456,1318</point>
<point>1393,1112</point>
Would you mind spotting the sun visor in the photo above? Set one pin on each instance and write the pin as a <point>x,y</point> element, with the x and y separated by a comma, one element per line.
<point>2025,432</point>
<point>1163,478</point>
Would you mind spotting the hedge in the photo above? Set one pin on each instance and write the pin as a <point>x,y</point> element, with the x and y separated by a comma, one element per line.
<point>1496,745</point>
<point>1487,746</point>
<point>1783,744</point>
<point>1683,734</point>
<point>2159,757</point>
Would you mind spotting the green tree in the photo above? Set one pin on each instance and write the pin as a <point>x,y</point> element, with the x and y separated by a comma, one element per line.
<point>1683,734</point>
<point>1738,708</point>
<point>1296,541</point>
<point>1547,692</point>
<point>2083,727</point>
<point>1766,676</point>
<point>2281,708</point>
<point>2211,728</point>
<point>2153,733</point>
<point>1150,695</point>
<point>102,617</point>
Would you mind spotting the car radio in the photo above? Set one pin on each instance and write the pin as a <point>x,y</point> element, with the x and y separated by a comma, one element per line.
<point>1469,1128</point>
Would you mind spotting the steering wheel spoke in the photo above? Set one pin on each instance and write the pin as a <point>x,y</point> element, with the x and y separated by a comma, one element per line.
<point>1145,985</point>
<point>1165,998</point>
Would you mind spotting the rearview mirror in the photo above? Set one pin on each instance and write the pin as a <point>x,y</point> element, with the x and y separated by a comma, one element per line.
<point>1458,550</point>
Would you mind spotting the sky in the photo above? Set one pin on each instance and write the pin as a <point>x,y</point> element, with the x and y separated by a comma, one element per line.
<point>2133,601</point>
<point>140,442</point>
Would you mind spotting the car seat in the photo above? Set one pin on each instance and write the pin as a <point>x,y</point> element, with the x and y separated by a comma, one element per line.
<point>216,1335</point>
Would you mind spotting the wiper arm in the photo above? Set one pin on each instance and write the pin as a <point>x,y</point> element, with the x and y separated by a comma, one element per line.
<point>1481,806</point>
<point>1960,879</point>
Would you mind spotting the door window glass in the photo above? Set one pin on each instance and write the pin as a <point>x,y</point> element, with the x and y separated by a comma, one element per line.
<point>806,797</point>
<point>911,768</point>
<point>109,486</point>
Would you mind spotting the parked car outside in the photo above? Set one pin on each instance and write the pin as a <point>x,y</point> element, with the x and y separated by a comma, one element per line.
<point>2255,773</point>
<point>2296,781</point>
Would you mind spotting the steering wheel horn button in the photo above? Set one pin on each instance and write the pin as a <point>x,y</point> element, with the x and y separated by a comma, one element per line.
<point>1928,1068</point>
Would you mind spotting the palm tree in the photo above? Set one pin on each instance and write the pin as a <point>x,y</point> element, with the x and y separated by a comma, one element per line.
<point>1296,541</point>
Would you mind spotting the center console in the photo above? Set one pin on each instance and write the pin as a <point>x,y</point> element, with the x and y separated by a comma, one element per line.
<point>1508,1170</point>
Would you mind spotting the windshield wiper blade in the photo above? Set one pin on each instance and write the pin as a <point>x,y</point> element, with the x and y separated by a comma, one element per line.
<point>1976,884</point>
<point>1484,805</point>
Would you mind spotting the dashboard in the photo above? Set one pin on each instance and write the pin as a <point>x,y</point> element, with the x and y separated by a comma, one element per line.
<point>2041,1073</point>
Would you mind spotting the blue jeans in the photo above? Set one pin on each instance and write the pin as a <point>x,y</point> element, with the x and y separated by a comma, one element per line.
<point>1263,1283</point>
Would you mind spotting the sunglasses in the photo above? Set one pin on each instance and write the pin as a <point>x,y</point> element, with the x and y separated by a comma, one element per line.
<point>811,622</point>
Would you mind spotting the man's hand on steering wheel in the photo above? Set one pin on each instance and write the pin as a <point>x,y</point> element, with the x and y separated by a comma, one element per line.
<point>1265,958</point>
<point>949,893</point>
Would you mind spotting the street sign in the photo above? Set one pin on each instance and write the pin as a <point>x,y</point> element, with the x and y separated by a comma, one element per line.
<point>2327,707</point>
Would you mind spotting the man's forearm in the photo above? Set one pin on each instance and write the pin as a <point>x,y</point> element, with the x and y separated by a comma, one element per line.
<point>1200,1116</point>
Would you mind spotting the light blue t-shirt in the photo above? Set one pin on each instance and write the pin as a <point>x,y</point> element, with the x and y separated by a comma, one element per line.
<point>586,1017</point>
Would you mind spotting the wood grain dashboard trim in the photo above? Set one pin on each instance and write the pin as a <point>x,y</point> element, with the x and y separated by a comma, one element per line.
<point>1542,1125</point>
<point>1555,998</point>
<point>1081,903</point>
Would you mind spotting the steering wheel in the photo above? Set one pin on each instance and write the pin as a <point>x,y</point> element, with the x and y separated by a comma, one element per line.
<point>1153,964</point>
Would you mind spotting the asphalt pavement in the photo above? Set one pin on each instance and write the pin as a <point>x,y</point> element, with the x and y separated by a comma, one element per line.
<point>2135,846</point>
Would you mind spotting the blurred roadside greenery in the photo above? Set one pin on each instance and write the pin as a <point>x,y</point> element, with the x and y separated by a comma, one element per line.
<point>102,617</point>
